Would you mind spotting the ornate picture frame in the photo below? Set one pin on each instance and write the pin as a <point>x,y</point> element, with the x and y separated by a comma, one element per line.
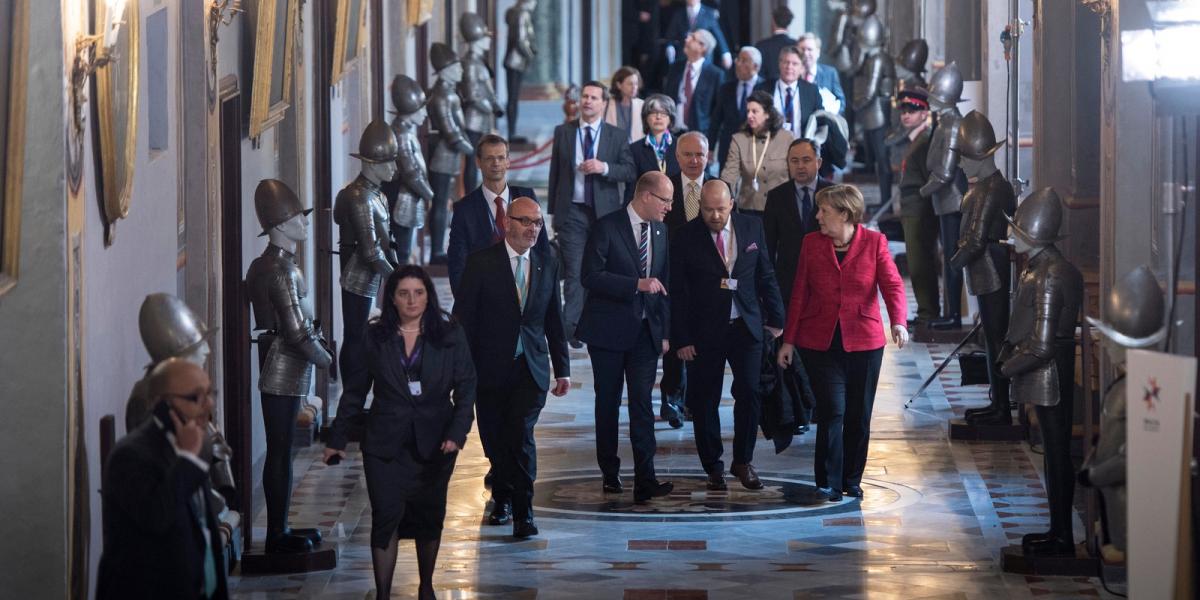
<point>116,117</point>
<point>274,23</point>
<point>14,49</point>
<point>347,40</point>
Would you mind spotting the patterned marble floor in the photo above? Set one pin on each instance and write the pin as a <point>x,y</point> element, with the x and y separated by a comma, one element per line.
<point>932,524</point>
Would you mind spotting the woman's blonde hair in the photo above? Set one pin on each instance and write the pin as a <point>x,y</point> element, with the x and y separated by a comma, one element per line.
<point>845,198</point>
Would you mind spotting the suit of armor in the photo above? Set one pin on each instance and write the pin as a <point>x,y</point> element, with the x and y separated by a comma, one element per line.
<point>942,163</point>
<point>983,227</point>
<point>874,84</point>
<point>362,218</point>
<point>479,100</point>
<point>911,62</point>
<point>446,117</point>
<point>276,288</point>
<point>522,47</point>
<point>409,194</point>
<point>1105,469</point>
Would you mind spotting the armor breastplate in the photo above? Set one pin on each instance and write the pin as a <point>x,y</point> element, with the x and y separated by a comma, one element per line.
<point>520,35</point>
<point>362,218</point>
<point>877,77</point>
<point>1045,311</point>
<point>277,287</point>
<point>446,116</point>
<point>942,162</point>
<point>478,97</point>
<point>1108,463</point>
<point>983,225</point>
<point>413,189</point>
<point>912,81</point>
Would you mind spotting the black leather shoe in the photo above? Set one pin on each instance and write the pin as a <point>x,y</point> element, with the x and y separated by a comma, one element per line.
<point>854,491</point>
<point>1046,544</point>
<point>946,323</point>
<point>1001,417</point>
<point>653,489</point>
<point>971,412</point>
<point>288,543</point>
<point>831,494</point>
<point>716,482</point>
<point>575,343</point>
<point>313,535</point>
<point>800,430</point>
<point>668,410</point>
<point>501,513</point>
<point>612,485</point>
<point>916,323</point>
<point>747,475</point>
<point>524,528</point>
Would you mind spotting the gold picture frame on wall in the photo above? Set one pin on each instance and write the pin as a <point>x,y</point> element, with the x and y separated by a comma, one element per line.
<point>348,36</point>
<point>14,48</point>
<point>116,110</point>
<point>274,23</point>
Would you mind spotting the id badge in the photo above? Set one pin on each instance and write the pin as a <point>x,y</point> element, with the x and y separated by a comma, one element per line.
<point>754,183</point>
<point>729,284</point>
<point>414,388</point>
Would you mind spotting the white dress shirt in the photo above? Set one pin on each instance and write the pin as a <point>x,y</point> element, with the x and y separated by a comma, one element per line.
<point>730,258</point>
<point>490,198</point>
<point>512,264</point>
<point>795,126</point>
<point>580,135</point>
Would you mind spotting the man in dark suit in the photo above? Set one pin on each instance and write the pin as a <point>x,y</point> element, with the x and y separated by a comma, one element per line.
<point>791,214</point>
<point>697,17</point>
<point>640,24</point>
<point>730,111</point>
<point>693,83</point>
<point>824,77</point>
<point>589,160</point>
<point>795,99</point>
<point>508,304</point>
<point>781,17</point>
<point>160,531</point>
<point>724,297</point>
<point>626,324</point>
<point>480,216</point>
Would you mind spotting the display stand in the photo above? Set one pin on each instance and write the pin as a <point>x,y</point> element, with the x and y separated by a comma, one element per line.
<point>1014,560</point>
<point>260,563</point>
<point>961,430</point>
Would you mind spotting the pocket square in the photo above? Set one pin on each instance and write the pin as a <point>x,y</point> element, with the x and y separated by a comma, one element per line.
<point>751,248</point>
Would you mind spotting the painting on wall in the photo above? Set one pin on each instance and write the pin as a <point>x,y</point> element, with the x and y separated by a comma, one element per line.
<point>13,44</point>
<point>116,109</point>
<point>347,36</point>
<point>419,11</point>
<point>274,23</point>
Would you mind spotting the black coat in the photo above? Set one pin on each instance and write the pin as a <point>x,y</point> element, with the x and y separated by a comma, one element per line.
<point>612,313</point>
<point>490,312</point>
<point>471,229</point>
<point>678,216</point>
<point>153,545</point>
<point>704,95</point>
<point>443,411</point>
<point>770,48</point>
<point>697,301</point>
<point>785,231</point>
<point>612,148</point>
<point>728,117</point>
<point>645,160</point>
<point>677,29</point>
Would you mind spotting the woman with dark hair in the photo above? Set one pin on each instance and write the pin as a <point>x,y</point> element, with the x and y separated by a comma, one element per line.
<point>757,159</point>
<point>656,151</point>
<point>624,108</point>
<point>424,382</point>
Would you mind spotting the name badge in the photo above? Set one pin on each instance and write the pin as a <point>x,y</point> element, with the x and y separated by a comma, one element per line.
<point>729,284</point>
<point>414,388</point>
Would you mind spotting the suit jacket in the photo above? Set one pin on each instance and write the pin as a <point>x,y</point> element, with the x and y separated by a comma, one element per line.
<point>770,48</point>
<point>826,293</point>
<point>827,78</point>
<point>489,309</point>
<point>697,301</point>
<point>612,148</point>
<point>739,171</point>
<point>612,313</point>
<point>153,544</point>
<point>443,411</point>
<point>808,94</point>
<point>728,117</point>
<point>699,113</point>
<point>678,217</point>
<point>706,18</point>
<point>645,160</point>
<point>635,118</point>
<point>471,229</point>
<point>786,230</point>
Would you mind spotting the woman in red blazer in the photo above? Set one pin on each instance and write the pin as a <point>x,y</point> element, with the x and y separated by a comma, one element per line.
<point>833,319</point>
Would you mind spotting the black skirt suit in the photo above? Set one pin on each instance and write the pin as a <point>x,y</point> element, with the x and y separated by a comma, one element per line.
<point>407,474</point>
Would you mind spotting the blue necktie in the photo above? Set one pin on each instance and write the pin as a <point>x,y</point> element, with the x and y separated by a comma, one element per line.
<point>745,95</point>
<point>520,277</point>
<point>788,112</point>
<point>805,208</point>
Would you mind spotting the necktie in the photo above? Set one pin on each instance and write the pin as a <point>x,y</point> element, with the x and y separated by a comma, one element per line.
<point>644,248</point>
<point>687,93</point>
<point>520,279</point>
<point>501,218</point>
<point>805,208</point>
<point>589,152</point>
<point>691,202</point>
<point>210,565</point>
<point>721,247</point>
<point>788,113</point>
<point>745,94</point>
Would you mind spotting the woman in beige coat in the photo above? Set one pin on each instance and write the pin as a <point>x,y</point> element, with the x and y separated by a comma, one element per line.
<point>624,108</point>
<point>757,159</point>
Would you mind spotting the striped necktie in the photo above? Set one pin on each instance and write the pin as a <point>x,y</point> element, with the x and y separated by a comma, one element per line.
<point>644,248</point>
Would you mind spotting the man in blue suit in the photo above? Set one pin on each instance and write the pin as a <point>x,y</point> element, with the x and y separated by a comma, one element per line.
<point>626,324</point>
<point>824,77</point>
<point>480,216</point>
<point>693,83</point>
<point>697,17</point>
<point>730,112</point>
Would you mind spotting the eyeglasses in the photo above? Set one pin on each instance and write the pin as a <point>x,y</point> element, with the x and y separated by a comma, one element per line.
<point>666,201</point>
<point>195,398</point>
<point>527,222</point>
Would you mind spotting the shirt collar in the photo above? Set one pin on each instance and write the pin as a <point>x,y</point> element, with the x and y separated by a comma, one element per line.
<point>490,196</point>
<point>812,187</point>
<point>595,125</point>
<point>783,86</point>
<point>513,253</point>
<point>635,218</point>
<point>685,180</point>
<point>696,66</point>
<point>752,81</point>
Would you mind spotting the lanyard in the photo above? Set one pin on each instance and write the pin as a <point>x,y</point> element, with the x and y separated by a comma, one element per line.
<point>595,138</point>
<point>761,157</point>
<point>407,362</point>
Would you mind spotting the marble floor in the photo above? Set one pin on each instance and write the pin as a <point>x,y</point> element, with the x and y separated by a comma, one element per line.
<point>933,521</point>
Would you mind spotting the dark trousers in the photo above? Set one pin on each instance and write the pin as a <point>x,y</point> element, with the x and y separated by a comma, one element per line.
<point>950,224</point>
<point>1055,423</point>
<point>571,233</point>
<point>402,238</point>
<point>352,367</point>
<point>279,420</point>
<point>506,416</point>
<point>443,186</point>
<point>845,384</point>
<point>636,368</point>
<point>513,81</point>
<point>920,248</point>
<point>744,354</point>
<point>470,170</point>
<point>882,153</point>
<point>993,313</point>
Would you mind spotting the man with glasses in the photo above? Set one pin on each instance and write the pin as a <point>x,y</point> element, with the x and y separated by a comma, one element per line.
<point>508,303</point>
<point>626,324</point>
<point>161,536</point>
<point>480,217</point>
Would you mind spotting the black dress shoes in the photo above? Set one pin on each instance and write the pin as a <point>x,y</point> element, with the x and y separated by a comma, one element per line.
<point>643,492</point>
<point>575,343</point>
<point>670,410</point>
<point>800,430</point>
<point>612,485</point>
<point>313,534</point>
<point>1046,544</point>
<point>831,494</point>
<point>716,482</point>
<point>997,417</point>
<point>523,528</point>
<point>946,323</point>
<point>501,513</point>
<point>288,543</point>
<point>747,475</point>
<point>971,412</point>
<point>854,491</point>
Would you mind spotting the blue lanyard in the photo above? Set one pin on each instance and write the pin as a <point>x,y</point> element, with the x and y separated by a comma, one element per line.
<point>595,138</point>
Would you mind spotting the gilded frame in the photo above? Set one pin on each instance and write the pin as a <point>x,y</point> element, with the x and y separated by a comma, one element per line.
<point>345,46</point>
<point>117,150</point>
<point>14,150</point>
<point>266,109</point>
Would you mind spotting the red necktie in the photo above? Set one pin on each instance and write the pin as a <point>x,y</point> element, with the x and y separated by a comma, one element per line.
<point>501,219</point>
<point>687,92</point>
<point>721,245</point>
